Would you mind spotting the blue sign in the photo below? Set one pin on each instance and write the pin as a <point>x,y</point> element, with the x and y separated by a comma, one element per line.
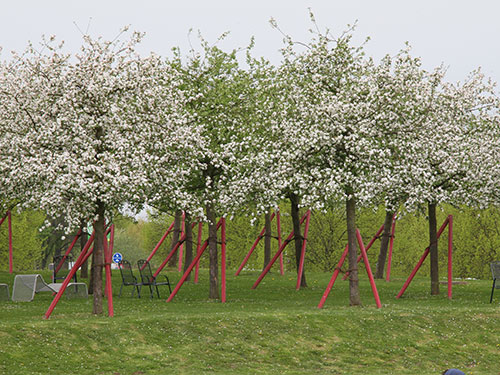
<point>117,257</point>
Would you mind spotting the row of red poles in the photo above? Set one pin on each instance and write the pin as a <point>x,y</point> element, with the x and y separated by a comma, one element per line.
<point>221,224</point>
<point>200,249</point>
<point>257,240</point>
<point>82,258</point>
<point>8,216</point>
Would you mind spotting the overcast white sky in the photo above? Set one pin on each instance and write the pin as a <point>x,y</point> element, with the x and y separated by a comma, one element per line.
<point>461,34</point>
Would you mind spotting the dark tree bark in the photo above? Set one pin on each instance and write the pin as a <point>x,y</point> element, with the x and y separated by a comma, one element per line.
<point>354,297</point>
<point>212,248</point>
<point>188,251</point>
<point>175,238</point>
<point>433,249</point>
<point>294,200</point>
<point>98,259</point>
<point>84,270</point>
<point>267,239</point>
<point>384,244</point>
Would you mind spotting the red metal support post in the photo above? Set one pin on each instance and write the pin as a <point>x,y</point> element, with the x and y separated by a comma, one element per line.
<point>68,278</point>
<point>172,252</point>
<point>368,269</point>
<point>189,269</point>
<point>192,265</point>
<point>334,277</point>
<point>419,264</point>
<point>278,253</point>
<point>87,256</point>
<point>223,261</point>
<point>63,259</point>
<point>256,242</point>
<point>3,218</point>
<point>278,223</point>
<point>198,245</point>
<point>181,248</point>
<point>303,251</point>
<point>450,255</point>
<point>372,241</point>
<point>165,235</point>
<point>413,273</point>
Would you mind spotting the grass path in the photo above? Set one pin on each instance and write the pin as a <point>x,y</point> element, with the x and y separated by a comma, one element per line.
<point>271,330</point>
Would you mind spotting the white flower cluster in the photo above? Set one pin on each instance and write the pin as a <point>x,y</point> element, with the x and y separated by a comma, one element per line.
<point>107,125</point>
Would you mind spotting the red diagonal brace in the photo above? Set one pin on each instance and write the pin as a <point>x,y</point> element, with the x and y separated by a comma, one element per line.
<point>160,242</point>
<point>65,256</point>
<point>191,266</point>
<point>68,278</point>
<point>223,260</point>
<point>174,250</point>
<point>3,219</point>
<point>419,264</point>
<point>334,277</point>
<point>303,251</point>
<point>374,238</point>
<point>256,242</point>
<point>181,247</point>
<point>280,250</point>
<point>198,245</point>
<point>368,269</point>
<point>278,223</point>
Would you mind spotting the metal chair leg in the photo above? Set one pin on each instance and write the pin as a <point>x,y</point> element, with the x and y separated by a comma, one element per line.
<point>492,290</point>
<point>150,291</point>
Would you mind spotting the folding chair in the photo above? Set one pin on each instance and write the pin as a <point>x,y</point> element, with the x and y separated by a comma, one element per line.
<point>495,270</point>
<point>128,278</point>
<point>148,279</point>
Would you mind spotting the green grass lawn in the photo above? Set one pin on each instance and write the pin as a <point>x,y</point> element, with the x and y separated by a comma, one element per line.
<point>274,329</point>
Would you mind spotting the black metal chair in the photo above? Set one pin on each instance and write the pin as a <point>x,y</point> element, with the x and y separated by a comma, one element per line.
<point>128,278</point>
<point>495,271</point>
<point>147,277</point>
<point>64,270</point>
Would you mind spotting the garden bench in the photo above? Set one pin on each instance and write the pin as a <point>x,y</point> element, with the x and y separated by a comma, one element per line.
<point>26,286</point>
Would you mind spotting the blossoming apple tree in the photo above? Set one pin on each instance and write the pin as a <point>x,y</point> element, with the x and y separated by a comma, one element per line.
<point>448,162</point>
<point>81,132</point>
<point>219,103</point>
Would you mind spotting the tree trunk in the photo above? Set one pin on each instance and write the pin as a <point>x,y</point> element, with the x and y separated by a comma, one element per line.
<point>433,249</point>
<point>98,259</point>
<point>354,297</point>
<point>84,270</point>
<point>294,200</point>
<point>175,238</point>
<point>212,248</point>
<point>91,279</point>
<point>384,244</point>
<point>188,257</point>
<point>267,240</point>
